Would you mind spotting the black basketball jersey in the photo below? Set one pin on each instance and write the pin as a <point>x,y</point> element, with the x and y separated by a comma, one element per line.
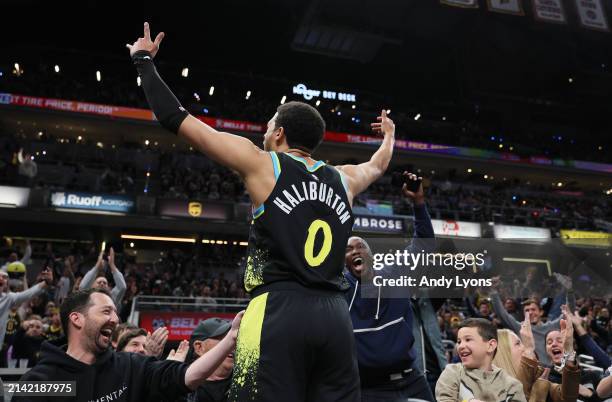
<point>300,232</point>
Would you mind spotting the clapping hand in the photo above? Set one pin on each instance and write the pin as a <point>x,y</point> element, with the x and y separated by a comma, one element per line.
<point>567,330</point>
<point>155,343</point>
<point>181,352</point>
<point>527,339</point>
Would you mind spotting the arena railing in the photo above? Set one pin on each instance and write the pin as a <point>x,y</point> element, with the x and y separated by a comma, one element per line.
<point>588,363</point>
<point>181,303</point>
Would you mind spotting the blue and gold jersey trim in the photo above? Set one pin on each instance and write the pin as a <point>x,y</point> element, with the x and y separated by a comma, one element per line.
<point>276,164</point>
<point>312,168</point>
<point>259,211</point>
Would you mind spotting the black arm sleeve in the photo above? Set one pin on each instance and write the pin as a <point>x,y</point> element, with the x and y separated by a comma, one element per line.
<point>164,104</point>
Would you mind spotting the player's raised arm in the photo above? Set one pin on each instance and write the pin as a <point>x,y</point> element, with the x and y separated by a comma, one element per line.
<point>232,151</point>
<point>360,176</point>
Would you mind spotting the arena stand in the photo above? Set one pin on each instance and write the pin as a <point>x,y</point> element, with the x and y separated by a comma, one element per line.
<point>186,265</point>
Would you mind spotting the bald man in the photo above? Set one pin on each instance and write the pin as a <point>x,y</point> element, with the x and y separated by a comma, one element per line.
<point>383,327</point>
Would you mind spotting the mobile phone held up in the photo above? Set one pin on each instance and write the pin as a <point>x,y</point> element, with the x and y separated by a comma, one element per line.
<point>398,179</point>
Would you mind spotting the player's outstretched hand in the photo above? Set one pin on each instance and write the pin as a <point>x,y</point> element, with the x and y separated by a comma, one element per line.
<point>233,332</point>
<point>145,43</point>
<point>384,125</point>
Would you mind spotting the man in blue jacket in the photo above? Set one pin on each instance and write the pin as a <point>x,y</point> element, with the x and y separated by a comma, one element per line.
<point>383,325</point>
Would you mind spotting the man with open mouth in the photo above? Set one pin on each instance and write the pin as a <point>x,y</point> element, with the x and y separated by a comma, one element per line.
<point>99,373</point>
<point>383,326</point>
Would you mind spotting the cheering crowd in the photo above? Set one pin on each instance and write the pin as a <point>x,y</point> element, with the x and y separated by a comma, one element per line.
<point>312,331</point>
<point>535,338</point>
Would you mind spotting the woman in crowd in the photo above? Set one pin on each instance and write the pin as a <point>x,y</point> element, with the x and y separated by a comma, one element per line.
<point>517,356</point>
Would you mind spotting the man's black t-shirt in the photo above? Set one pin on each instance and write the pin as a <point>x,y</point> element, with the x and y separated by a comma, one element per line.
<point>117,377</point>
<point>212,391</point>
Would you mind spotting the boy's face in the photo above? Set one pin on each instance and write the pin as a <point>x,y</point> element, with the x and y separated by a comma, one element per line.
<point>473,350</point>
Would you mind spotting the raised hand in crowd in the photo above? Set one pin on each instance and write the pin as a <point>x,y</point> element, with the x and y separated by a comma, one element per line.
<point>156,342</point>
<point>418,196</point>
<point>578,323</point>
<point>567,330</point>
<point>181,352</point>
<point>527,339</point>
<point>100,263</point>
<point>111,260</point>
<point>45,277</point>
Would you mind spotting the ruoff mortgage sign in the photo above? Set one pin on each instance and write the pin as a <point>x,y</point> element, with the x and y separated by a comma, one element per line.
<point>96,202</point>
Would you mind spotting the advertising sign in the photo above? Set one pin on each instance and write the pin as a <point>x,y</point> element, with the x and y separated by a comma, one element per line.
<point>379,224</point>
<point>96,202</point>
<point>586,238</point>
<point>508,232</point>
<point>308,94</point>
<point>456,228</point>
<point>180,324</point>
<point>194,209</point>
<point>14,196</point>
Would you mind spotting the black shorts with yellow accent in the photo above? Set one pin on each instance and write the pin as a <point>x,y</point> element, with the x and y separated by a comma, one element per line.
<point>295,344</point>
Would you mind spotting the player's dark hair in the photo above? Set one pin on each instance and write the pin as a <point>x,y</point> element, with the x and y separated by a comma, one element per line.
<point>78,301</point>
<point>303,125</point>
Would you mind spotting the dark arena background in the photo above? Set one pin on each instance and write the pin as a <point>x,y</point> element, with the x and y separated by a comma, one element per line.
<point>501,108</point>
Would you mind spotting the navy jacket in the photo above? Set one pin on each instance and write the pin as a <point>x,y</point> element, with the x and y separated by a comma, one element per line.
<point>383,326</point>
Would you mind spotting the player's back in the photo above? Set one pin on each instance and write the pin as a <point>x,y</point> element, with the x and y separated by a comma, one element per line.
<point>299,233</point>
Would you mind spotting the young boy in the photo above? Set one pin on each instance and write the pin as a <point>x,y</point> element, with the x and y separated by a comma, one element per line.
<point>476,379</point>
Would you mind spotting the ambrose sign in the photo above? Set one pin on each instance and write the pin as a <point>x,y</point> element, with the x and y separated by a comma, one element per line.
<point>379,224</point>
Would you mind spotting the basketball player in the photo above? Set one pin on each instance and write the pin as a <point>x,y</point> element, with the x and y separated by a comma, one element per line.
<point>295,341</point>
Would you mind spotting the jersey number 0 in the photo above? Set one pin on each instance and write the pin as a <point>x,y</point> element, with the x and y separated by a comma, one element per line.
<point>315,226</point>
